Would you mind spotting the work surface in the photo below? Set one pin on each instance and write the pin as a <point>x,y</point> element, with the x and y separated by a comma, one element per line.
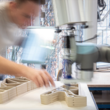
<point>100,79</point>
<point>31,101</point>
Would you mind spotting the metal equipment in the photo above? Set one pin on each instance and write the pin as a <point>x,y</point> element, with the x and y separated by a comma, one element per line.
<point>68,14</point>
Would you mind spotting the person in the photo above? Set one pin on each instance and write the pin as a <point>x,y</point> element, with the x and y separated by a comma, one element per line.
<point>15,16</point>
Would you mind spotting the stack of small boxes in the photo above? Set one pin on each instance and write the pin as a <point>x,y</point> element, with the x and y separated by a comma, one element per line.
<point>13,87</point>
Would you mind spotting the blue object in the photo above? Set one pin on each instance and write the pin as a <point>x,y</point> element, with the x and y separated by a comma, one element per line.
<point>68,77</point>
<point>101,88</point>
<point>103,105</point>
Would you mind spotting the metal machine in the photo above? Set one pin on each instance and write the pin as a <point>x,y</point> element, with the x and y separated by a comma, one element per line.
<point>68,14</point>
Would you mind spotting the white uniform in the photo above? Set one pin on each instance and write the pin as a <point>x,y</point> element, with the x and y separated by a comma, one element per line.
<point>10,34</point>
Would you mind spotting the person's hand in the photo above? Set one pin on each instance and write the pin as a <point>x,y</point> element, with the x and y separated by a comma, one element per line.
<point>39,77</point>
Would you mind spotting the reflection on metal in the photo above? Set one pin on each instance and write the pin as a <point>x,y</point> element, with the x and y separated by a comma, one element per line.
<point>68,11</point>
<point>84,75</point>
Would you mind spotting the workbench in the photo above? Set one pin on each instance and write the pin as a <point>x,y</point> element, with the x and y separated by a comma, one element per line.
<point>31,100</point>
<point>100,79</point>
<point>101,83</point>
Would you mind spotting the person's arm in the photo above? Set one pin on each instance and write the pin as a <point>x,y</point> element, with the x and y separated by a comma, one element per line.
<point>40,77</point>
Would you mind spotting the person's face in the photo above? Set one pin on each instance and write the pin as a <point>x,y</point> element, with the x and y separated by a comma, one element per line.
<point>24,14</point>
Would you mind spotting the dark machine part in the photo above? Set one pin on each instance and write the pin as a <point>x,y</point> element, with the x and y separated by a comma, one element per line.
<point>42,14</point>
<point>101,3</point>
<point>84,26</point>
<point>42,2</point>
<point>104,53</point>
<point>85,60</point>
<point>43,66</point>
<point>67,68</point>
<point>66,42</point>
<point>57,30</point>
<point>69,54</point>
<point>85,55</point>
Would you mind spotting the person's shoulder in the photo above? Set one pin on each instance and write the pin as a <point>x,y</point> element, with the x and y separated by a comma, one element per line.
<point>3,14</point>
<point>3,6</point>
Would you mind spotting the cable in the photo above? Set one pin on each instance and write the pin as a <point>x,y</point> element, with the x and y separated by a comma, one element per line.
<point>101,3</point>
<point>101,11</point>
<point>88,39</point>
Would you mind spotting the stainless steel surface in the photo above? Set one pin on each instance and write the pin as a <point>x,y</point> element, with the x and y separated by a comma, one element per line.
<point>84,75</point>
<point>72,81</point>
<point>68,11</point>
